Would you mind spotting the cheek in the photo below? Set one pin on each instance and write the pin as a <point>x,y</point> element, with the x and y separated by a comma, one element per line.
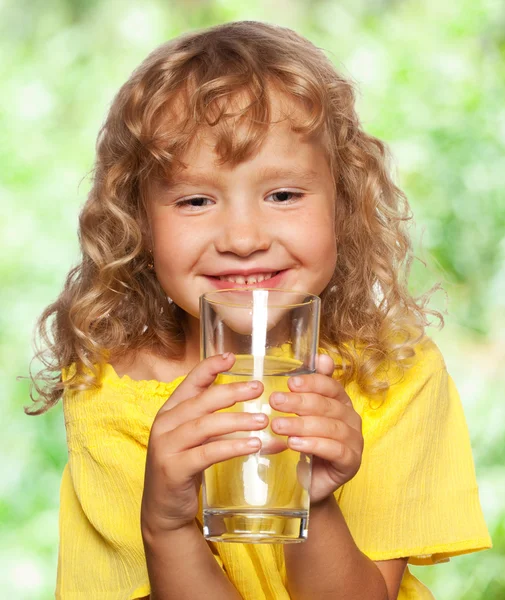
<point>172,259</point>
<point>319,235</point>
<point>168,239</point>
<point>321,246</point>
<point>165,244</point>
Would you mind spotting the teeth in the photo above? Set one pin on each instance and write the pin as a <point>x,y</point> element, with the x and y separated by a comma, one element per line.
<point>249,280</point>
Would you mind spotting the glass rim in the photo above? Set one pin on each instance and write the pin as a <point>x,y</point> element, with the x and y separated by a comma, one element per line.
<point>311,298</point>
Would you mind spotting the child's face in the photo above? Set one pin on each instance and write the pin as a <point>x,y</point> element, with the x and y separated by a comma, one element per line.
<point>266,222</point>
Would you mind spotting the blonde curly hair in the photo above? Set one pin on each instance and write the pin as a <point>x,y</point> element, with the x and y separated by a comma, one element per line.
<point>112,304</point>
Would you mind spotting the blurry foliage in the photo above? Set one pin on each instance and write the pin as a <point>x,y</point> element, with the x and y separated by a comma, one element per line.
<point>431,77</point>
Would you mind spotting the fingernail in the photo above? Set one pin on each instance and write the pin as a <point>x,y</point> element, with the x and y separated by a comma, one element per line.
<point>279,398</point>
<point>298,442</point>
<point>254,384</point>
<point>253,443</point>
<point>226,355</point>
<point>296,381</point>
<point>259,417</point>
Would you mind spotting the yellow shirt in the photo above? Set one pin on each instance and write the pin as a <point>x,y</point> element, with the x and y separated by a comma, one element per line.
<point>415,494</point>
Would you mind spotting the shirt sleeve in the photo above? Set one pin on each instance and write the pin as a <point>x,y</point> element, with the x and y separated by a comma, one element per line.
<point>416,493</point>
<point>101,552</point>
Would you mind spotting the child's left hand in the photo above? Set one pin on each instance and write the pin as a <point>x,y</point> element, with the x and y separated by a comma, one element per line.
<point>327,424</point>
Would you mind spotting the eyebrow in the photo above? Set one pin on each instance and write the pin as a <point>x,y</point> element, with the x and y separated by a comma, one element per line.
<point>286,173</point>
<point>265,174</point>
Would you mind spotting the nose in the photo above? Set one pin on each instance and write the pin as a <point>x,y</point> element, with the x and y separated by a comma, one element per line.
<point>243,231</point>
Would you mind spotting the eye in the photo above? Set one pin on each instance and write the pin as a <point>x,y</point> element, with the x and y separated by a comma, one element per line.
<point>194,203</point>
<point>285,196</point>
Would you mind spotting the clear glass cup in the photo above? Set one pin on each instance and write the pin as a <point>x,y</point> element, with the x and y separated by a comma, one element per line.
<point>274,334</point>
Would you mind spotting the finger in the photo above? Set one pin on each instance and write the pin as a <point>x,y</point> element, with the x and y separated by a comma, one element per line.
<point>204,429</point>
<point>325,364</point>
<point>320,384</point>
<point>200,378</point>
<point>316,427</point>
<point>331,450</point>
<point>194,461</point>
<point>214,398</point>
<point>272,445</point>
<point>310,404</point>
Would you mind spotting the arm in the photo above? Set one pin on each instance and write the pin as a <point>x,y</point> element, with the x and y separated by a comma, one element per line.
<point>181,566</point>
<point>329,564</point>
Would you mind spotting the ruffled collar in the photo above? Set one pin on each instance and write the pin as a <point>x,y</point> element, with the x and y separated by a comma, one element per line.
<point>144,386</point>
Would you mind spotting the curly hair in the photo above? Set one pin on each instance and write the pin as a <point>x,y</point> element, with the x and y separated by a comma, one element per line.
<point>112,303</point>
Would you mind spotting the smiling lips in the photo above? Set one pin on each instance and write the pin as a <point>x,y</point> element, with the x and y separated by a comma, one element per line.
<point>246,279</point>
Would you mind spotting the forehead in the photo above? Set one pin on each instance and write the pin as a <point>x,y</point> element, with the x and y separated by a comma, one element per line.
<point>281,151</point>
<point>237,126</point>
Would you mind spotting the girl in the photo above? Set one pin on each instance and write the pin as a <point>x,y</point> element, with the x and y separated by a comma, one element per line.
<point>234,157</point>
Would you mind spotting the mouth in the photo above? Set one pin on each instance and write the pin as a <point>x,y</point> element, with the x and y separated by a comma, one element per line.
<point>256,280</point>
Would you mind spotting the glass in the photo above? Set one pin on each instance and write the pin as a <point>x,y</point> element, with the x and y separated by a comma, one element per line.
<point>274,334</point>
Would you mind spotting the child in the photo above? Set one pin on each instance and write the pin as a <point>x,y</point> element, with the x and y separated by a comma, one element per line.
<point>234,157</point>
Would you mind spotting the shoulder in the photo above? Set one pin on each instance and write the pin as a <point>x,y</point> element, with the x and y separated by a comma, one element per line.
<point>411,369</point>
<point>427,357</point>
<point>418,374</point>
<point>417,387</point>
<point>409,378</point>
<point>112,402</point>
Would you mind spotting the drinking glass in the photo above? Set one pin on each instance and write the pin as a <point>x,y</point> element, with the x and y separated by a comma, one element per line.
<point>274,334</point>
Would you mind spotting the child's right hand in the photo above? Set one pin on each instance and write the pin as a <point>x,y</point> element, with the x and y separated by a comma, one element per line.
<point>177,453</point>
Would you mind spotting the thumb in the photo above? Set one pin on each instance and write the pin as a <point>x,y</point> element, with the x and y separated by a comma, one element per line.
<point>325,365</point>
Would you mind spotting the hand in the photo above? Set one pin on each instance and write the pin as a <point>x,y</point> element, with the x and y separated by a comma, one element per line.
<point>328,427</point>
<point>177,452</point>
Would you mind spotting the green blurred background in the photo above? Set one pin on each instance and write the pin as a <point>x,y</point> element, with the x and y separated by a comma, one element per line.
<point>431,77</point>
